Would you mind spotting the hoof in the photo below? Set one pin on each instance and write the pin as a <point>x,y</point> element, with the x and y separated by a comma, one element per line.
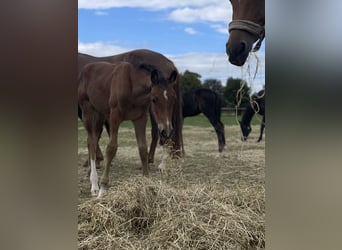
<point>102,192</point>
<point>94,192</point>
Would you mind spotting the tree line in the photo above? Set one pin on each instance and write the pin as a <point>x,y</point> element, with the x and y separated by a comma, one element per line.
<point>233,94</point>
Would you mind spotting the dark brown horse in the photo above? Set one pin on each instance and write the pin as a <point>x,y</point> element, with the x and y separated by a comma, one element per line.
<point>257,105</point>
<point>118,92</point>
<point>203,101</point>
<point>166,67</point>
<point>247,27</point>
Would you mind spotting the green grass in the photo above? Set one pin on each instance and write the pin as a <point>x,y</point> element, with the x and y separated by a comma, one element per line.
<point>199,120</point>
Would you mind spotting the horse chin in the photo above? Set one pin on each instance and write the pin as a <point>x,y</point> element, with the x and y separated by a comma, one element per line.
<point>238,61</point>
<point>162,140</point>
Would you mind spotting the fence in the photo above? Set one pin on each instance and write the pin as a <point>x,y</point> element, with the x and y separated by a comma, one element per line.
<point>231,111</point>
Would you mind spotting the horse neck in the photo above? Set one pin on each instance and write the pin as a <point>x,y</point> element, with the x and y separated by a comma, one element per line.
<point>248,115</point>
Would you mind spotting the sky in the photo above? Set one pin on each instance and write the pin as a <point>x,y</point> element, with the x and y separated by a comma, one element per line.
<point>191,33</point>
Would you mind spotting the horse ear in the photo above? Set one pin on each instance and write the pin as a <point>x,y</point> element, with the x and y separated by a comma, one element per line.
<point>154,76</point>
<point>173,76</point>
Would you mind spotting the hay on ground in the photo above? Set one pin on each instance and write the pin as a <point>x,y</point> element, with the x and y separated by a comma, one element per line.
<point>145,213</point>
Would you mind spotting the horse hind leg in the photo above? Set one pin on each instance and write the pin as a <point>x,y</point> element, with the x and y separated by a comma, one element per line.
<point>219,129</point>
<point>221,137</point>
<point>93,122</point>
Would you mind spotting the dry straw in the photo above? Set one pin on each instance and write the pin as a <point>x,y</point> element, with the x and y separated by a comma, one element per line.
<point>146,213</point>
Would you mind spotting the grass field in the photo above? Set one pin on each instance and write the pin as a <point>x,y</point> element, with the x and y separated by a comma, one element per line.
<point>241,167</point>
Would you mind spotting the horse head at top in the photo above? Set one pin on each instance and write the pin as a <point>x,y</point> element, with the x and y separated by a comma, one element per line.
<point>163,100</point>
<point>247,27</point>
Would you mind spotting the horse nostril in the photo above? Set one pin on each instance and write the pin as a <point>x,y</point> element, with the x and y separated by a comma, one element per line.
<point>162,133</point>
<point>242,48</point>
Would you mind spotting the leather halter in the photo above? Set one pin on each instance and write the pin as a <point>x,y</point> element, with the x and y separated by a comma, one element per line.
<point>250,27</point>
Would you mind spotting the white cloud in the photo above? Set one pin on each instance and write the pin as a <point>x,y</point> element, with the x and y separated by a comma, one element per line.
<point>183,11</point>
<point>100,48</point>
<point>216,65</point>
<point>101,13</point>
<point>220,12</point>
<point>208,65</point>
<point>220,28</point>
<point>190,31</point>
<point>151,4</point>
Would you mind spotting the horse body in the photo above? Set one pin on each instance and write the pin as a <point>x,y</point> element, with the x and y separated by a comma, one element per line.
<point>118,92</point>
<point>207,102</point>
<point>149,59</point>
<point>257,106</point>
<point>199,101</point>
<point>247,27</point>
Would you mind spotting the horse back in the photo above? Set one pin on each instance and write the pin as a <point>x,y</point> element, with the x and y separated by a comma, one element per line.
<point>129,87</point>
<point>203,101</point>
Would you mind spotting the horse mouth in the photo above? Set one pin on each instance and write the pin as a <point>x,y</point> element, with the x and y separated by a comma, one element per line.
<point>165,136</point>
<point>238,54</point>
<point>238,59</point>
<point>244,138</point>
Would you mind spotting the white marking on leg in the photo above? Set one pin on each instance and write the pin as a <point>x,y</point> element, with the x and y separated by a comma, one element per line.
<point>165,94</point>
<point>93,178</point>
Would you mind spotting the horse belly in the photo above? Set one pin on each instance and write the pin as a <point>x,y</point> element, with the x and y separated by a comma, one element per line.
<point>99,100</point>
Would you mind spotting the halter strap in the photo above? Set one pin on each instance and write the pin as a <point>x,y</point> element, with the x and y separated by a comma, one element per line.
<point>251,27</point>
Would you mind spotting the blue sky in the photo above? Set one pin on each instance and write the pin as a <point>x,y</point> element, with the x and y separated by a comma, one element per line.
<point>192,33</point>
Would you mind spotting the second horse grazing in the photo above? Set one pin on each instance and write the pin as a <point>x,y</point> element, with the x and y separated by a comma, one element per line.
<point>257,105</point>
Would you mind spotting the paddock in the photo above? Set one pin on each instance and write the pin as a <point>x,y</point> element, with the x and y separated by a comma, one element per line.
<point>234,180</point>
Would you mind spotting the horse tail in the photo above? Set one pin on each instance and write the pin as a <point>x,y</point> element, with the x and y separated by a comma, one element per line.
<point>80,79</point>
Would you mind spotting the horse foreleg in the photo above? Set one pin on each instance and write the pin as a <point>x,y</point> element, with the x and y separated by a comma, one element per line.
<point>140,134</point>
<point>154,140</point>
<point>110,153</point>
<point>262,127</point>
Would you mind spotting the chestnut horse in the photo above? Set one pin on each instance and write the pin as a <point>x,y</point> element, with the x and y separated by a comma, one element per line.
<point>247,27</point>
<point>257,105</point>
<point>164,65</point>
<point>118,92</point>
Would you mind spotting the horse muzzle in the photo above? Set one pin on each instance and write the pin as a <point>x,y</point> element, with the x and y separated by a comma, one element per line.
<point>164,135</point>
<point>238,53</point>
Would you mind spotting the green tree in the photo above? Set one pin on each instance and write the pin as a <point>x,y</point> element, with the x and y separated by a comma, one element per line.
<point>236,92</point>
<point>215,85</point>
<point>190,80</point>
